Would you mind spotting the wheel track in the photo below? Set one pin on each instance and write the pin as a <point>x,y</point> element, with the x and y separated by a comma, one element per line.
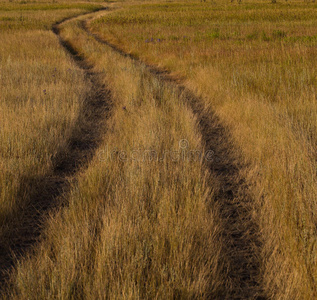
<point>48,191</point>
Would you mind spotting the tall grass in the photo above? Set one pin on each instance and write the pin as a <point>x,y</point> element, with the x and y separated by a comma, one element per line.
<point>141,222</point>
<point>41,91</point>
<point>254,64</point>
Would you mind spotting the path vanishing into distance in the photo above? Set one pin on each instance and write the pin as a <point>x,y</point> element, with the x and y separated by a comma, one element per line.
<point>240,237</point>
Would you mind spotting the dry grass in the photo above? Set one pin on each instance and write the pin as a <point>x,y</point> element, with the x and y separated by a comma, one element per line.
<point>255,65</point>
<point>141,221</point>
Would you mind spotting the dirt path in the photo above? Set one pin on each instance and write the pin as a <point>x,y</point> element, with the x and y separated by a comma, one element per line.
<point>240,235</point>
<point>241,238</point>
<point>49,190</point>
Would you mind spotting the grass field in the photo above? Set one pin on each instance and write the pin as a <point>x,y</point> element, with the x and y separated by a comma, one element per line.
<point>145,218</point>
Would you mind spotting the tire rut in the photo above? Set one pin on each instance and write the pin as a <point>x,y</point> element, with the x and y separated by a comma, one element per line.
<point>48,192</point>
<point>241,237</point>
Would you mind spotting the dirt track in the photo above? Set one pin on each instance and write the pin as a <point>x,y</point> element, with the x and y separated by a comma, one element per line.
<point>240,237</point>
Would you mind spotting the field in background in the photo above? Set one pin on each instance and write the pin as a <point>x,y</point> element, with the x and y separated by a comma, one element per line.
<point>255,65</point>
<point>134,226</point>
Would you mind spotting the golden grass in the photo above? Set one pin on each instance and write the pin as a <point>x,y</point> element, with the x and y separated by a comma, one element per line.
<point>141,227</point>
<point>138,224</point>
<point>254,64</point>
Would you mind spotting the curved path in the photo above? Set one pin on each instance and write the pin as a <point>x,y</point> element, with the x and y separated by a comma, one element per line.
<point>240,239</point>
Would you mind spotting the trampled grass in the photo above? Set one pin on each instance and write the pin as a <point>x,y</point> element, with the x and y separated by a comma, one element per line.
<point>253,63</point>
